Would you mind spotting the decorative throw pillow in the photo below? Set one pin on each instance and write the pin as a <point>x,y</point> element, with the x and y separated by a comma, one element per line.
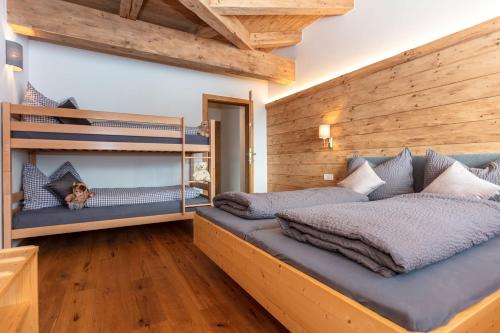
<point>458,181</point>
<point>33,97</point>
<point>397,173</point>
<point>63,169</point>
<point>364,180</point>
<point>36,196</point>
<point>436,164</point>
<point>70,103</point>
<point>63,186</point>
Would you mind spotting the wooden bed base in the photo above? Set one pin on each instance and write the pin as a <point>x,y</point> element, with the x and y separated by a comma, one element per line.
<point>98,225</point>
<point>11,114</point>
<point>303,304</point>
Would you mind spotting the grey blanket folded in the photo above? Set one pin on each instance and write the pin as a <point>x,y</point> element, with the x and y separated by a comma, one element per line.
<point>396,235</point>
<point>254,206</point>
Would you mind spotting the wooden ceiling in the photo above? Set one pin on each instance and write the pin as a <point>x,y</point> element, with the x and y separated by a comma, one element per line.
<point>173,14</point>
<point>251,27</point>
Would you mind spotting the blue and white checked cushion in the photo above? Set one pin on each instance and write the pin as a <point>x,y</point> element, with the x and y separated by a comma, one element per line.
<point>36,196</point>
<point>138,195</point>
<point>127,124</point>
<point>396,172</point>
<point>33,97</point>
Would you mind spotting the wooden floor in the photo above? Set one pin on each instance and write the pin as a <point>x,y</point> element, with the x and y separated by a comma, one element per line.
<point>140,279</point>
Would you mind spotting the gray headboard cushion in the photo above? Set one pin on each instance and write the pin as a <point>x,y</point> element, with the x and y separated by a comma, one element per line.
<point>471,160</point>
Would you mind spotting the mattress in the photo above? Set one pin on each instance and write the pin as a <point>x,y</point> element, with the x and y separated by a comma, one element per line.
<point>190,139</point>
<point>236,225</point>
<point>62,215</point>
<point>418,301</point>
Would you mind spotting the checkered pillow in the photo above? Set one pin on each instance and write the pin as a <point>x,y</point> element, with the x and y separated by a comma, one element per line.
<point>129,124</point>
<point>33,97</point>
<point>36,196</point>
<point>138,195</point>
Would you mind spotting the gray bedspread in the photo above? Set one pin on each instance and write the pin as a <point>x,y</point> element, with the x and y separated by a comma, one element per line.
<point>396,235</point>
<point>254,206</point>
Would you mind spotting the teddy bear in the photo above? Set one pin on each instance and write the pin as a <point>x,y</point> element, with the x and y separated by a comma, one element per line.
<point>79,196</point>
<point>204,129</point>
<point>201,173</point>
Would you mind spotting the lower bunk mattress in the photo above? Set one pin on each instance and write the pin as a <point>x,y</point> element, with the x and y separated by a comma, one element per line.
<point>61,215</point>
<point>421,300</point>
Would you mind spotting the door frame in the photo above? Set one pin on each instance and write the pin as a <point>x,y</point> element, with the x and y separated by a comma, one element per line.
<point>248,105</point>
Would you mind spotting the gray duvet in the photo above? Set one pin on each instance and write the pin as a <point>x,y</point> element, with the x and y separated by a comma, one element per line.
<point>256,206</point>
<point>396,235</point>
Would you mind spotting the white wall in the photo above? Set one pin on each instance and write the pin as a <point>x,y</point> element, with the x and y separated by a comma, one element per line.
<point>111,83</point>
<point>11,89</point>
<point>11,84</point>
<point>373,31</point>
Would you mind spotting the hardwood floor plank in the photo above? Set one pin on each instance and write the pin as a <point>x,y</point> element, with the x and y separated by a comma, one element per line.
<point>141,279</point>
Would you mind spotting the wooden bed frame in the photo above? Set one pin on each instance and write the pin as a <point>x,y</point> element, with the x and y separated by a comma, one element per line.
<point>11,114</point>
<point>303,304</point>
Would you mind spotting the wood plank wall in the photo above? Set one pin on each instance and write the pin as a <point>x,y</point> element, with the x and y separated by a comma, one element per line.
<point>443,95</point>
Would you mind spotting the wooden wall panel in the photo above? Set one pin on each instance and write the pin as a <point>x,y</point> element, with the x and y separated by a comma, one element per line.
<point>443,95</point>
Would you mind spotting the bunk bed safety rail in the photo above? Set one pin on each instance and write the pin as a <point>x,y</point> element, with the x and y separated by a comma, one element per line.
<point>19,109</point>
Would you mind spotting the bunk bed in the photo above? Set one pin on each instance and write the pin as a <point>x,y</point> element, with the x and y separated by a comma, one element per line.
<point>111,132</point>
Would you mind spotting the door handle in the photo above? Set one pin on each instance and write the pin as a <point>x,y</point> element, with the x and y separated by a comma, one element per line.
<point>250,156</point>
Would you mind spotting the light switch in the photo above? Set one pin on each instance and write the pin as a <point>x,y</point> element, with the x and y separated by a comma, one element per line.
<point>328,176</point>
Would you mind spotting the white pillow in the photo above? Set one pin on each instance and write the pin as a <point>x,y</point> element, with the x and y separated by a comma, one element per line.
<point>364,180</point>
<point>458,181</point>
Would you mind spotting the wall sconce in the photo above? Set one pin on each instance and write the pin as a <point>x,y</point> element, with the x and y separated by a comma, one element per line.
<point>14,55</point>
<point>324,133</point>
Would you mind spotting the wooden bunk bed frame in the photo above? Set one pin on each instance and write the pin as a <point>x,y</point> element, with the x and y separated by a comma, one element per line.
<point>11,114</point>
<point>304,304</point>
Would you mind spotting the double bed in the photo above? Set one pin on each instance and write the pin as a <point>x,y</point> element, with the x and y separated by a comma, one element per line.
<point>313,290</point>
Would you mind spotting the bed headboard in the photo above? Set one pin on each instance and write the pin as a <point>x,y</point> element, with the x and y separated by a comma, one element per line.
<point>471,160</point>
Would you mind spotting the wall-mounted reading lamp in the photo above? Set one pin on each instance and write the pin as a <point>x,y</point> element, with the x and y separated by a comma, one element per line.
<point>14,55</point>
<point>324,133</point>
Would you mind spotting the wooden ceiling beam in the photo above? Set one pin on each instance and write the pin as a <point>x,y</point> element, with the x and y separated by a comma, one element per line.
<point>282,7</point>
<point>228,26</point>
<point>130,8</point>
<point>69,24</point>
<point>271,40</point>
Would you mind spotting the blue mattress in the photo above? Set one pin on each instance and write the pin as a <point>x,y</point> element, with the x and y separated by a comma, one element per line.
<point>418,301</point>
<point>236,225</point>
<point>62,215</point>
<point>190,139</point>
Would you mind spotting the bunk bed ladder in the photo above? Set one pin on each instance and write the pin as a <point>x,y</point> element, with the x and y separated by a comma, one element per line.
<point>209,186</point>
<point>183,164</point>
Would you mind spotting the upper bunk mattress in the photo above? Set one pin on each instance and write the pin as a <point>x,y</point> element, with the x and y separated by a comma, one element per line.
<point>237,225</point>
<point>418,301</point>
<point>192,134</point>
<point>190,139</point>
<point>62,215</point>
